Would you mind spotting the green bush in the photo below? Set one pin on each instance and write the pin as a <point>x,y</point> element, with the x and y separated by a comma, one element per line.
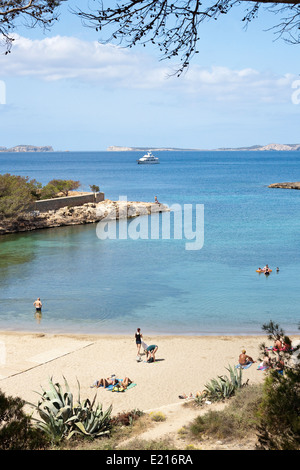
<point>279,412</point>
<point>236,420</point>
<point>222,387</point>
<point>62,416</point>
<point>16,195</point>
<point>16,430</point>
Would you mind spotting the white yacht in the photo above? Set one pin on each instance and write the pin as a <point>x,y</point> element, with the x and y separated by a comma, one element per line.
<point>149,158</point>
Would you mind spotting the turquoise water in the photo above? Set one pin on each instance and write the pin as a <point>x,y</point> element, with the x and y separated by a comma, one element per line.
<point>89,285</point>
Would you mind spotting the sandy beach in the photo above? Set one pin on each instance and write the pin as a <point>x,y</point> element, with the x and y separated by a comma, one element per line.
<point>184,364</point>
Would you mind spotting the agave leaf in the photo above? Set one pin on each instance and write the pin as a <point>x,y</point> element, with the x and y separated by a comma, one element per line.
<point>81,428</point>
<point>64,413</point>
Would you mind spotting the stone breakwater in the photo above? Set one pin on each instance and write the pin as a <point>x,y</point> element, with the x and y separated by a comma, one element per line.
<point>80,215</point>
<point>295,185</point>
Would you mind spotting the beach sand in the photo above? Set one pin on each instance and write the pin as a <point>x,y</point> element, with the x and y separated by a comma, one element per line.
<point>184,364</point>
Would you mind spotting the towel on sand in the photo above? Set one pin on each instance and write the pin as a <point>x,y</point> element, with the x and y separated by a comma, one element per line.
<point>113,388</point>
<point>239,366</point>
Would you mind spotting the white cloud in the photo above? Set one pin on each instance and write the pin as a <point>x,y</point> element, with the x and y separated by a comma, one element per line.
<point>61,57</point>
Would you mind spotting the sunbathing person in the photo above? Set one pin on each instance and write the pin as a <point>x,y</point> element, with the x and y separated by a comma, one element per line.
<point>123,384</point>
<point>244,360</point>
<point>115,382</point>
<point>191,395</point>
<point>106,382</point>
<point>277,344</point>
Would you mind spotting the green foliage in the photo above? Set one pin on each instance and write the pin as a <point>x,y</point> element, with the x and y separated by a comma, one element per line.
<point>233,422</point>
<point>62,416</point>
<point>16,194</point>
<point>94,188</point>
<point>54,187</point>
<point>16,431</point>
<point>279,412</point>
<point>126,418</point>
<point>157,416</point>
<point>223,386</point>
<point>48,192</point>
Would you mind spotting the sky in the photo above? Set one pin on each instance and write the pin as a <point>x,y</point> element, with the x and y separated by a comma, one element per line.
<point>65,89</point>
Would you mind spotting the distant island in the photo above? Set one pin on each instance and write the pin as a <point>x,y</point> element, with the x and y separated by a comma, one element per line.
<point>115,148</point>
<point>294,185</point>
<point>278,147</point>
<point>27,148</point>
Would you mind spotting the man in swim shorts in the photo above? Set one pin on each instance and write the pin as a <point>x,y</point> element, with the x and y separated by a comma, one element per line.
<point>244,360</point>
<point>38,305</point>
<point>150,352</point>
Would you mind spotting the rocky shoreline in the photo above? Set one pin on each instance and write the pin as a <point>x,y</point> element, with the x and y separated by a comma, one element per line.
<point>80,215</point>
<point>295,185</point>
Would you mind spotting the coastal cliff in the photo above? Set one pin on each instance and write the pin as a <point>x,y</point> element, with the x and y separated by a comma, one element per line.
<point>27,148</point>
<point>295,185</point>
<point>80,215</point>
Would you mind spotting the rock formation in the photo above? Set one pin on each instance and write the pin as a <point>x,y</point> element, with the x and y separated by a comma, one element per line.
<point>79,215</point>
<point>295,185</point>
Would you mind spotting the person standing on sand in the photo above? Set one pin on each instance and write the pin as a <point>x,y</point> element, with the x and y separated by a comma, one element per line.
<point>138,340</point>
<point>38,305</point>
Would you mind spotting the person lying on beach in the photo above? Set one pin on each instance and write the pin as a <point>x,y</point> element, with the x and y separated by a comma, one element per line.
<point>191,395</point>
<point>113,381</point>
<point>122,384</point>
<point>106,382</point>
<point>244,360</point>
<point>267,363</point>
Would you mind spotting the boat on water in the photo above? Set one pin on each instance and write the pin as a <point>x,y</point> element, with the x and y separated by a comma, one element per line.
<point>149,158</point>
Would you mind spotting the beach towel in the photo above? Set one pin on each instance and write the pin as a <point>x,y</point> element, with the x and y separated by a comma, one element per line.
<point>262,367</point>
<point>244,367</point>
<point>113,388</point>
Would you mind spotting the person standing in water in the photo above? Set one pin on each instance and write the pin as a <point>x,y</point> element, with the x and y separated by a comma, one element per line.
<point>38,305</point>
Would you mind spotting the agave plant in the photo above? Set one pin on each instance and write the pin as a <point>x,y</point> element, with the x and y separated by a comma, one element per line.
<point>61,417</point>
<point>224,387</point>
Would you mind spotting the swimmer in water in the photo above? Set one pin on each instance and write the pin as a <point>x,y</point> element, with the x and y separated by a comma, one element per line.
<point>38,305</point>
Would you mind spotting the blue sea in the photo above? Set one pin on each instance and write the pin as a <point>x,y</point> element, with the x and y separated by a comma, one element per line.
<point>112,286</point>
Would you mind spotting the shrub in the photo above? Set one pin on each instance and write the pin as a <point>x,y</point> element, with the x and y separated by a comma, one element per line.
<point>16,194</point>
<point>62,416</point>
<point>222,387</point>
<point>158,416</point>
<point>279,412</point>
<point>16,431</point>
<point>236,420</point>
<point>126,418</point>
